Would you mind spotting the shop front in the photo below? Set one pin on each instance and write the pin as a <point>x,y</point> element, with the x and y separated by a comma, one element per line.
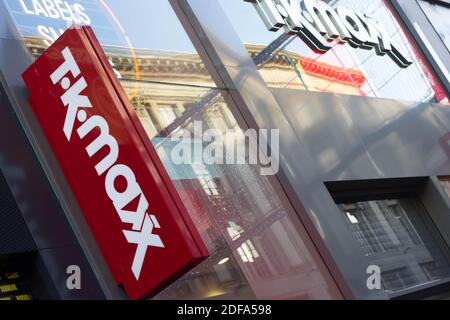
<point>362,155</point>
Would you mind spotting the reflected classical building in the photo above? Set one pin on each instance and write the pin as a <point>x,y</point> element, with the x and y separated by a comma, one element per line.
<point>142,71</point>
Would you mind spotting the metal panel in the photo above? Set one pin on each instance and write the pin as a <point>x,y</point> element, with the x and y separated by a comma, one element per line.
<point>437,203</point>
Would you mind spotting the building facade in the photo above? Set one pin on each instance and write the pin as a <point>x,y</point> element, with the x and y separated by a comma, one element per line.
<point>360,205</point>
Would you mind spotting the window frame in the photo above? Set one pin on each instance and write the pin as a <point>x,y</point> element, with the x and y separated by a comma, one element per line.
<point>436,204</point>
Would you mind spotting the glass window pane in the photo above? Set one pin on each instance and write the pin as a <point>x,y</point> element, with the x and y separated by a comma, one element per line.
<point>259,248</point>
<point>285,61</point>
<point>398,236</point>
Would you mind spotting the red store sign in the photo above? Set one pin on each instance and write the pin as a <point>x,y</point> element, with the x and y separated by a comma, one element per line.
<point>129,202</point>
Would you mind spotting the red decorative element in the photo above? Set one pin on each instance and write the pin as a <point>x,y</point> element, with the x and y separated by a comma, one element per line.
<point>130,204</point>
<point>323,70</point>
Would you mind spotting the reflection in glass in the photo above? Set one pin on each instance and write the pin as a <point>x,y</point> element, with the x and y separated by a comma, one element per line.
<point>398,236</point>
<point>437,15</point>
<point>289,63</point>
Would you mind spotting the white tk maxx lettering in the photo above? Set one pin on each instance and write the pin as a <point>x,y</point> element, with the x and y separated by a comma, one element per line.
<point>142,223</point>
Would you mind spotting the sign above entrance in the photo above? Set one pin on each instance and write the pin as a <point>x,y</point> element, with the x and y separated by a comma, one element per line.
<point>320,27</point>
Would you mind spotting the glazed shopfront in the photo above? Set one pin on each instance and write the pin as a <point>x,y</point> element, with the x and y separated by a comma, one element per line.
<point>360,100</point>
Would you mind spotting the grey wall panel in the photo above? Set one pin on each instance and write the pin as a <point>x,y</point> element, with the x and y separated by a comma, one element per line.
<point>355,138</point>
<point>350,137</point>
<point>34,219</point>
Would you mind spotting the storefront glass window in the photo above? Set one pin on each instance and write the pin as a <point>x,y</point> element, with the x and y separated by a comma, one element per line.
<point>398,236</point>
<point>124,29</point>
<point>285,61</point>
